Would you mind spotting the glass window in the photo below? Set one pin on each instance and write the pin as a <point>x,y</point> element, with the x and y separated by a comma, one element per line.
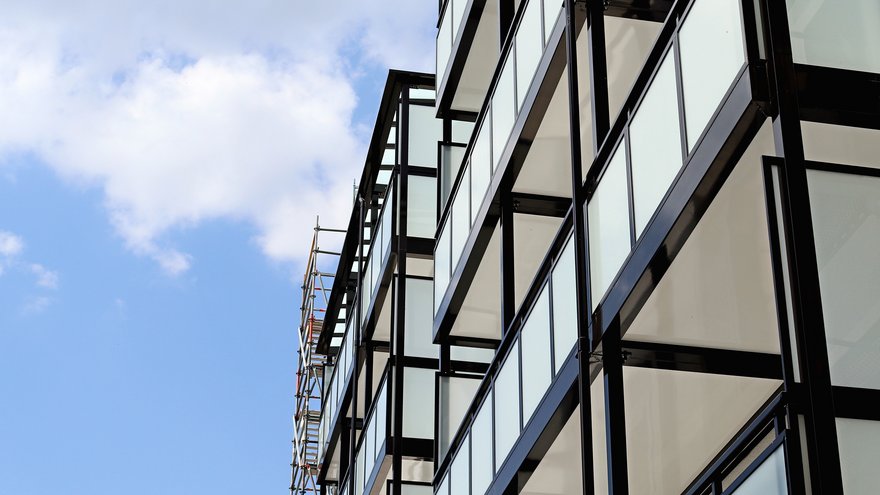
<point>424,133</point>
<point>655,143</point>
<point>461,217</point>
<point>460,479</point>
<point>768,479</point>
<point>418,403</point>
<point>417,319</point>
<point>481,170</point>
<point>846,224</point>
<point>529,47</point>
<point>456,394</point>
<point>564,304</point>
<point>551,13</point>
<point>421,215</point>
<point>712,53</point>
<point>444,486</point>
<point>441,264</point>
<point>507,424</point>
<point>380,414</point>
<point>608,213</point>
<point>536,369</point>
<point>481,433</point>
<point>827,34</point>
<point>461,131</point>
<point>457,7</point>
<point>444,47</point>
<point>452,158</point>
<point>503,111</point>
<point>859,444</point>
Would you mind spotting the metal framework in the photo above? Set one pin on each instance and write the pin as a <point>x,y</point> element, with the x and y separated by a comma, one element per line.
<point>310,368</point>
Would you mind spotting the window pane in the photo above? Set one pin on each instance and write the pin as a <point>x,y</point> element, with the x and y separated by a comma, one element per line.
<point>608,213</point>
<point>460,471</point>
<point>441,264</point>
<point>826,33</point>
<point>712,53</point>
<point>551,13</point>
<point>846,225</point>
<point>481,170</point>
<point>481,433</point>
<point>529,47</point>
<point>536,369</point>
<point>461,131</point>
<point>452,157</point>
<point>424,134</point>
<point>418,322</point>
<point>444,47</point>
<point>456,394</point>
<point>508,399</point>
<point>418,403</point>
<point>768,479</point>
<point>564,304</point>
<point>859,444</point>
<point>421,215</point>
<point>503,111</point>
<point>444,486</point>
<point>655,141</point>
<point>461,218</point>
<point>457,7</point>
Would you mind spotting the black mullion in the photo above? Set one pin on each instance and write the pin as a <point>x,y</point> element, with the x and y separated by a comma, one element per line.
<point>630,195</point>
<point>508,295</point>
<point>598,75</point>
<point>615,421</point>
<point>803,265</point>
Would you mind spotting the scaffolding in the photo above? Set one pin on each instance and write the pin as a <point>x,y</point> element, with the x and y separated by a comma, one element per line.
<point>310,369</point>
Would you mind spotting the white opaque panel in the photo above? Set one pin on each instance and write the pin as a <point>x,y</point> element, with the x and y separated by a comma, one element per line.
<point>564,285</point>
<point>846,225</point>
<point>481,170</point>
<point>417,319</point>
<point>461,217</point>
<point>655,144</point>
<point>768,479</point>
<point>712,53</point>
<point>859,444</point>
<point>459,473</point>
<point>481,443</point>
<point>551,13</point>
<point>503,111</point>
<point>425,131</point>
<point>529,47</point>
<point>834,34</point>
<point>456,394</point>
<point>441,264</point>
<point>536,368</point>
<point>507,397</point>
<point>444,47</point>
<point>608,213</point>
<point>421,215</point>
<point>418,403</point>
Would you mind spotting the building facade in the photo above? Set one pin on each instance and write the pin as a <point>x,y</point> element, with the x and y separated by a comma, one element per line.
<point>615,246</point>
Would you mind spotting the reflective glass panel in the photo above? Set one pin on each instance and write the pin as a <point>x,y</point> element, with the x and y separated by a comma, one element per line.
<point>655,143</point>
<point>712,53</point>
<point>508,399</point>
<point>536,369</point>
<point>846,225</point>
<point>608,213</point>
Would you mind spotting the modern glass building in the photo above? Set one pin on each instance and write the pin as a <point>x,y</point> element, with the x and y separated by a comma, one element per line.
<point>616,246</point>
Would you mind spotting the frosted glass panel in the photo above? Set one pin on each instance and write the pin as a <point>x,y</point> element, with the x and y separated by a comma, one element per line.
<point>503,111</point>
<point>481,443</point>
<point>481,170</point>
<point>536,369</point>
<point>417,319</point>
<point>460,471</point>
<point>457,7</point>
<point>456,394</point>
<point>564,304</point>
<point>859,444</point>
<point>834,34</point>
<point>421,219</point>
<point>608,213</point>
<point>444,486</point>
<point>712,53</point>
<point>418,403</point>
<point>461,217</point>
<point>441,264</point>
<point>444,47</point>
<point>846,225</point>
<point>508,399</point>
<point>425,132</point>
<point>452,158</point>
<point>551,13</point>
<point>655,141</point>
<point>461,131</point>
<point>529,47</point>
<point>768,479</point>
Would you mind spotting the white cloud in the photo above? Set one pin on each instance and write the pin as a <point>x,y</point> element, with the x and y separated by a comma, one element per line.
<point>10,244</point>
<point>36,305</point>
<point>182,113</point>
<point>46,278</point>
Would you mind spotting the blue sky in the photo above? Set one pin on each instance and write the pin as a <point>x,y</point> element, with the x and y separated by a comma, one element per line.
<point>160,170</point>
